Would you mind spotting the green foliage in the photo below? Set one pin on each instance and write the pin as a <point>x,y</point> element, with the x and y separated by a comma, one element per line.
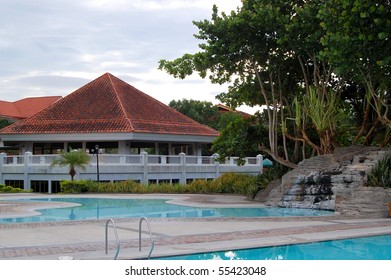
<point>240,138</point>
<point>9,189</point>
<point>380,175</point>
<point>205,113</point>
<point>237,183</point>
<point>201,111</point>
<point>4,123</point>
<point>227,183</point>
<point>266,51</point>
<point>357,33</point>
<point>74,186</point>
<point>322,112</point>
<point>271,174</point>
<point>74,159</point>
<point>271,52</point>
<point>227,118</point>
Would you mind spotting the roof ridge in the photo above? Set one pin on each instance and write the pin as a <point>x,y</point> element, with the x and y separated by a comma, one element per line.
<point>109,104</point>
<point>154,100</point>
<point>110,76</point>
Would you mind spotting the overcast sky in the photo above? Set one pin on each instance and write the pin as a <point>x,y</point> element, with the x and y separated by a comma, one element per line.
<point>52,47</point>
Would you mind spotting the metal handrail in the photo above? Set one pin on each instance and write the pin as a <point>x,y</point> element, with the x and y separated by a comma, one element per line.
<point>150,236</point>
<point>116,237</point>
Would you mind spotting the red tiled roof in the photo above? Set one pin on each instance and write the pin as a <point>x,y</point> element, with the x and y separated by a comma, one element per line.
<point>109,105</point>
<point>224,109</point>
<point>26,107</point>
<point>8,110</point>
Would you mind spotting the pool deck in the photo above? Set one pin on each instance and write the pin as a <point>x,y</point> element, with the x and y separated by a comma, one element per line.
<point>81,240</point>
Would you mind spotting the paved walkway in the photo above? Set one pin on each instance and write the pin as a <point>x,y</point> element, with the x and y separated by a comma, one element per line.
<point>85,239</point>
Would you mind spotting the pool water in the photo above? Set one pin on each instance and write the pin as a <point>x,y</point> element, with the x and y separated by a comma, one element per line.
<point>103,208</point>
<point>366,248</point>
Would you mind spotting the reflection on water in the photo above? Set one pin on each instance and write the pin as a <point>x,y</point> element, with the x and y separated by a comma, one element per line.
<point>367,248</point>
<point>99,208</point>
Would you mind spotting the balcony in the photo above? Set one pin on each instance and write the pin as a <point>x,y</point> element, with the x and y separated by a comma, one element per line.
<point>143,167</point>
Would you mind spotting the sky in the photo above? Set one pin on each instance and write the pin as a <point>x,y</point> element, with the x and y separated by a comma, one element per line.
<point>54,47</point>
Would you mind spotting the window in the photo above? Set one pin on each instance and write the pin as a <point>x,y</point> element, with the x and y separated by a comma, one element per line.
<point>56,187</point>
<point>40,186</point>
<point>182,148</point>
<point>15,183</point>
<point>104,147</point>
<point>138,147</point>
<point>47,148</point>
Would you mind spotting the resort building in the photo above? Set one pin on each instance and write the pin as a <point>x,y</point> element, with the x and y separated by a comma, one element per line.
<point>130,136</point>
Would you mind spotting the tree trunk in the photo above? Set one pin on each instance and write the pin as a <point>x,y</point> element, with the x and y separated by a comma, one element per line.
<point>72,172</point>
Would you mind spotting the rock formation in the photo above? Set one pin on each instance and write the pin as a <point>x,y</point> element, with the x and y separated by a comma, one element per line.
<point>335,182</point>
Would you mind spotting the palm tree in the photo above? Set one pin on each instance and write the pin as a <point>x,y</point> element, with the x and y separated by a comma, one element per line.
<point>73,159</point>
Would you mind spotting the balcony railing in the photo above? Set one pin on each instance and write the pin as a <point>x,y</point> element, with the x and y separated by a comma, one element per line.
<point>116,167</point>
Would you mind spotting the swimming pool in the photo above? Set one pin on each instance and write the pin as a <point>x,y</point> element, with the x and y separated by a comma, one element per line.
<point>104,208</point>
<point>365,248</point>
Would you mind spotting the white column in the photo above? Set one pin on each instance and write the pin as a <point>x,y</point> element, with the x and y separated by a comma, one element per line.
<point>122,147</point>
<point>27,163</point>
<point>50,186</point>
<point>144,159</point>
<point>260,162</point>
<point>217,164</point>
<point>2,161</point>
<point>183,167</point>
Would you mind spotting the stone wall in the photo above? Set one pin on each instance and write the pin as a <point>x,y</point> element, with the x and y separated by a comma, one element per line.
<point>371,202</point>
<point>335,182</point>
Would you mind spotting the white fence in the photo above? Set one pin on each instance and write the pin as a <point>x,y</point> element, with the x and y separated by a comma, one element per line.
<point>108,167</point>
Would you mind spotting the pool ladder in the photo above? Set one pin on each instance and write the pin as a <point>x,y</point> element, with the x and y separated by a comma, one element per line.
<point>139,236</point>
<point>150,236</point>
<point>116,237</point>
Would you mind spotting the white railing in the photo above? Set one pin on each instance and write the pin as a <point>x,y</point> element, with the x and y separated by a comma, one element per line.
<point>143,167</point>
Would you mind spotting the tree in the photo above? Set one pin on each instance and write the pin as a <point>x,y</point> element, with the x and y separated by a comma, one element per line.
<point>356,40</point>
<point>201,111</point>
<point>238,48</point>
<point>73,159</point>
<point>241,138</point>
<point>268,52</point>
<point>4,123</point>
<point>225,119</point>
<point>205,112</point>
<point>322,111</point>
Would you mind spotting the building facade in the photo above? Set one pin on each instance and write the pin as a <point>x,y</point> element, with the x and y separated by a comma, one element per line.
<point>133,135</point>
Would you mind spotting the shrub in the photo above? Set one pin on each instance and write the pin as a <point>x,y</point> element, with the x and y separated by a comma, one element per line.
<point>238,183</point>
<point>380,175</point>
<point>203,186</point>
<point>227,183</point>
<point>9,189</point>
<point>67,186</point>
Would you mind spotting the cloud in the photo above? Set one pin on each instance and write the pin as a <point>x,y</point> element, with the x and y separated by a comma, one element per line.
<point>53,47</point>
